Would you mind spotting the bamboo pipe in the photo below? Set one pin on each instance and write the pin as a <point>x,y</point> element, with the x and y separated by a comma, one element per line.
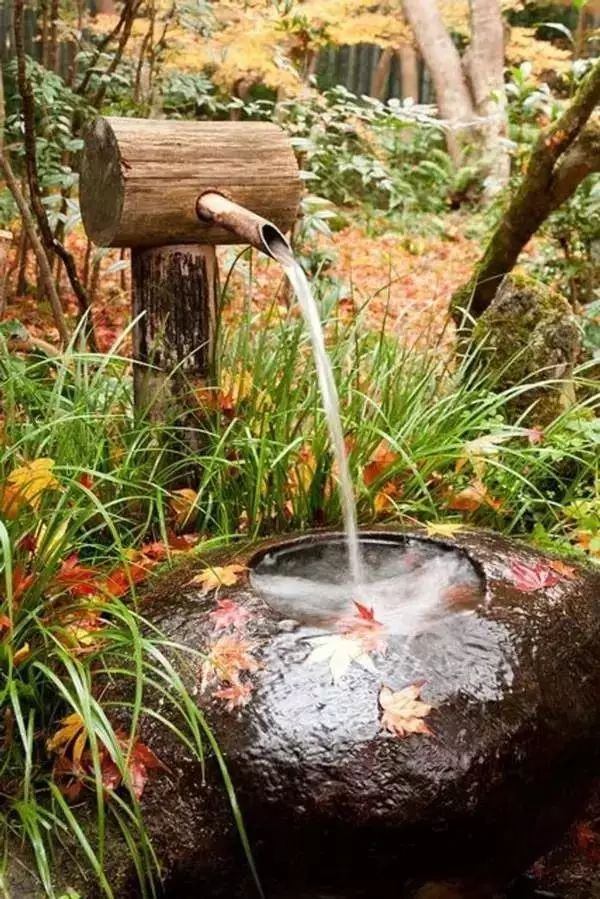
<point>215,208</point>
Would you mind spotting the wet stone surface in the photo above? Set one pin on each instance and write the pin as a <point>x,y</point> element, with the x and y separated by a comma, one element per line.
<point>337,804</point>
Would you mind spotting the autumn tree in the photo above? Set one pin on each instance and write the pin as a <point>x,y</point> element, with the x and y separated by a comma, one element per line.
<point>469,89</point>
<point>564,155</point>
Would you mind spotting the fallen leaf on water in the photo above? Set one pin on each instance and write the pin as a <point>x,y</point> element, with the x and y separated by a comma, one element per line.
<point>443,528</point>
<point>229,614</point>
<point>364,628</point>
<point>340,651</point>
<point>560,567</point>
<point>529,578</point>
<point>218,576</point>
<point>402,711</point>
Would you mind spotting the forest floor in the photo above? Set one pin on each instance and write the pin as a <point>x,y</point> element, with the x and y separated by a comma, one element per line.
<point>403,280</point>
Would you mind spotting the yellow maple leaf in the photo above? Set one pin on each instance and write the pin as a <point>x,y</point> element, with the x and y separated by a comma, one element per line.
<point>403,711</point>
<point>183,504</point>
<point>218,576</point>
<point>71,733</point>
<point>26,485</point>
<point>443,528</point>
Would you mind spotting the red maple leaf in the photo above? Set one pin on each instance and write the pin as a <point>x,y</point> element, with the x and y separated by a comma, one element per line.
<point>529,578</point>
<point>141,761</point>
<point>364,628</point>
<point>229,614</point>
<point>21,582</point>
<point>5,624</point>
<point>78,579</point>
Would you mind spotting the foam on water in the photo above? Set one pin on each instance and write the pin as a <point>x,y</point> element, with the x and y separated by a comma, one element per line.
<point>409,586</point>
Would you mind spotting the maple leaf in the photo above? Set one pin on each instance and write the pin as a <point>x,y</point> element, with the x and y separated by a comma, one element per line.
<point>141,761</point>
<point>71,738</point>
<point>364,628</point>
<point>462,596</point>
<point>218,576</point>
<point>21,654</point>
<point>443,528</point>
<point>183,505</point>
<point>340,651</point>
<point>5,624</point>
<point>384,498</point>
<point>472,497</point>
<point>21,582</point>
<point>77,579</point>
<point>529,578</point>
<point>566,571</point>
<point>382,459</point>
<point>229,614</point>
<point>235,695</point>
<point>227,659</point>
<point>80,630</point>
<point>402,711</point>
<point>27,484</point>
<point>477,451</point>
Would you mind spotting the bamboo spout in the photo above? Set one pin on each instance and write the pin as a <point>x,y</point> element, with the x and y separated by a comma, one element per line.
<point>215,208</point>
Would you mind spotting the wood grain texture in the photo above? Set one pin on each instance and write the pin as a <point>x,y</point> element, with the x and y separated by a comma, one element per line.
<point>140,178</point>
<point>174,302</point>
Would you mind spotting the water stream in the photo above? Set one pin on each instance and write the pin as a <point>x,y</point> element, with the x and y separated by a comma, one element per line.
<point>331,403</point>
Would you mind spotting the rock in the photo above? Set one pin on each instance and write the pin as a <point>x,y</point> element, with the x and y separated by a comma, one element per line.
<point>333,804</point>
<point>529,334</point>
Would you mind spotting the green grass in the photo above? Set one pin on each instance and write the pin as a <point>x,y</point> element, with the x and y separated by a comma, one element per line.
<point>265,467</point>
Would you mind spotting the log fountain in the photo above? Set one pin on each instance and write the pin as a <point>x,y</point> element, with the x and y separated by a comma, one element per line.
<point>424,720</point>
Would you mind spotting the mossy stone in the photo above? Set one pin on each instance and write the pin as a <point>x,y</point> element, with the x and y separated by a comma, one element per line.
<point>528,335</point>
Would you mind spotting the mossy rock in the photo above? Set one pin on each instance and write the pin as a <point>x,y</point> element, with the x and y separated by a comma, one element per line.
<point>527,335</point>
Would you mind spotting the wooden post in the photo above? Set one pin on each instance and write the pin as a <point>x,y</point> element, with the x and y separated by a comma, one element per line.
<point>141,181</point>
<point>175,305</point>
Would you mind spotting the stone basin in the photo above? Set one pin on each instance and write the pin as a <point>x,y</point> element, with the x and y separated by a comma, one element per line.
<point>506,652</point>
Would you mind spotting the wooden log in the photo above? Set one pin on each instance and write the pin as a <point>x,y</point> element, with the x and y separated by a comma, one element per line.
<point>174,300</point>
<point>140,178</point>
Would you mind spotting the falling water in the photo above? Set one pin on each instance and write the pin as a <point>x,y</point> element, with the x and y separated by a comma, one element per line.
<point>329,394</point>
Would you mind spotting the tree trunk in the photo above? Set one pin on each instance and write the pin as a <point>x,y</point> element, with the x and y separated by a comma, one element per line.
<point>485,65</point>
<point>381,74</point>
<point>409,71</point>
<point>565,153</point>
<point>443,61</point>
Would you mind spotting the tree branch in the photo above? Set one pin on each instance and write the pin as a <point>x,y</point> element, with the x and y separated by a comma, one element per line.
<point>50,242</point>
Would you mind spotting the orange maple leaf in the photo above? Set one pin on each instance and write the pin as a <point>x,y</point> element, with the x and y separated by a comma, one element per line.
<point>227,659</point>
<point>382,459</point>
<point>235,695</point>
<point>402,711</point>
<point>560,567</point>
<point>472,498</point>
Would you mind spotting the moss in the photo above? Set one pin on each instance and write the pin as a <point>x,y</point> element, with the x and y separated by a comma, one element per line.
<point>529,334</point>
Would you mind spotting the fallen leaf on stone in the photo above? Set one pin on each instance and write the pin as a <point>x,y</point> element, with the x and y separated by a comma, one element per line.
<point>566,571</point>
<point>218,576</point>
<point>229,613</point>
<point>402,711</point>
<point>443,528</point>
<point>529,578</point>
<point>340,652</point>
<point>228,658</point>
<point>235,695</point>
